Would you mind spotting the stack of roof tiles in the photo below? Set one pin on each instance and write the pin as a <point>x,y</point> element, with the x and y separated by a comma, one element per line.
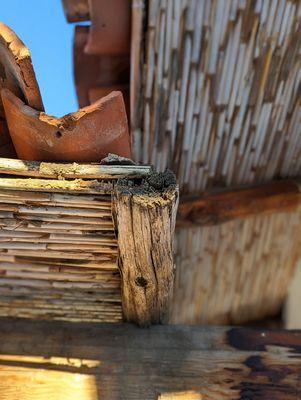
<point>87,135</point>
<point>102,49</point>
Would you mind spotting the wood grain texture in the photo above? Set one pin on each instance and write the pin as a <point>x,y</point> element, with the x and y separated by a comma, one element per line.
<point>56,185</point>
<point>74,170</point>
<point>58,250</point>
<point>187,395</point>
<point>100,362</point>
<point>220,207</point>
<point>145,221</point>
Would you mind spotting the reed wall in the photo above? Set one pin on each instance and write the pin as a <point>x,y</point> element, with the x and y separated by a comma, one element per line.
<point>218,101</point>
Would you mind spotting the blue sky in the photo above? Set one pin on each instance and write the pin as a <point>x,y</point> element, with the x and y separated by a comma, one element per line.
<point>42,26</point>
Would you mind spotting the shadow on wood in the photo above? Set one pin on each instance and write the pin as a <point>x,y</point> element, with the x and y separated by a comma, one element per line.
<point>52,360</point>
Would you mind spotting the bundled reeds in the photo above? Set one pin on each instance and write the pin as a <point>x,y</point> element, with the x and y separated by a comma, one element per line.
<point>218,101</point>
<point>221,91</point>
<point>58,252</point>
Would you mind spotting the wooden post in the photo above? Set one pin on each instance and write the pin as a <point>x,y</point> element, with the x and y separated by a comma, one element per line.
<point>144,216</point>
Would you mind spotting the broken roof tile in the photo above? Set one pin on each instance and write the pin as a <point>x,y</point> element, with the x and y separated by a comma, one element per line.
<point>76,10</point>
<point>16,70</point>
<point>17,74</point>
<point>87,135</point>
<point>102,91</point>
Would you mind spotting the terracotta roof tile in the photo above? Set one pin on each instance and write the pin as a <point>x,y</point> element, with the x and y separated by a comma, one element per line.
<point>76,10</point>
<point>99,92</point>
<point>93,73</point>
<point>17,74</point>
<point>16,70</point>
<point>110,28</point>
<point>89,134</point>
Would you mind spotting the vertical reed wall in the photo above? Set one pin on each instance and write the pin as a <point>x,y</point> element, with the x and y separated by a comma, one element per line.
<point>219,103</point>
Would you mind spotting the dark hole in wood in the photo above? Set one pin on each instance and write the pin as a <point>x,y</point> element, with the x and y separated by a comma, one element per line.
<point>140,281</point>
<point>58,134</point>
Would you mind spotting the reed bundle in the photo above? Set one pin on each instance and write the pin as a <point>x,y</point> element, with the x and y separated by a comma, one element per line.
<point>220,91</point>
<point>237,271</point>
<point>218,101</point>
<point>58,251</point>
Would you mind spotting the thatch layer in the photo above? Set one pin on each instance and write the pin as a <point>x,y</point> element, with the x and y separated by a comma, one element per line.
<point>58,256</point>
<point>219,103</point>
<point>235,272</point>
<point>220,91</point>
<point>58,250</point>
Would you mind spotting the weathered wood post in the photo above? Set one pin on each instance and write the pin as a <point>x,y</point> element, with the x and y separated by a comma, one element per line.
<point>144,216</point>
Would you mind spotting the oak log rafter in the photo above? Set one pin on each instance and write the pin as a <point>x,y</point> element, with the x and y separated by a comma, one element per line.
<point>223,206</point>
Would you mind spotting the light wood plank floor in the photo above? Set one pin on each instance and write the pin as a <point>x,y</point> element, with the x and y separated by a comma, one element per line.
<point>62,361</point>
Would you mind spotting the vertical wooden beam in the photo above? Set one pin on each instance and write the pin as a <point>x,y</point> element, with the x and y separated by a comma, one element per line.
<point>144,216</point>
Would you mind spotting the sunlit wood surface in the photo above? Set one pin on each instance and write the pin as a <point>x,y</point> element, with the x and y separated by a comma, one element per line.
<point>62,361</point>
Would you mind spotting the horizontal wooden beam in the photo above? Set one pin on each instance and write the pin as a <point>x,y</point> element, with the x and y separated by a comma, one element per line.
<point>216,208</point>
<point>71,170</point>
<point>112,361</point>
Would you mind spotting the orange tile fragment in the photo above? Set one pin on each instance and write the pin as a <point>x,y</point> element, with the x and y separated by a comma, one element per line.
<point>87,135</point>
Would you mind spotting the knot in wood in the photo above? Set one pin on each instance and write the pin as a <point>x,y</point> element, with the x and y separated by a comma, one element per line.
<point>140,281</point>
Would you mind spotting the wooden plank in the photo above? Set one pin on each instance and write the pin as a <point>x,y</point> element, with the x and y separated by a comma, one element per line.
<point>76,10</point>
<point>59,186</point>
<point>145,222</point>
<point>71,170</point>
<point>125,362</point>
<point>216,208</point>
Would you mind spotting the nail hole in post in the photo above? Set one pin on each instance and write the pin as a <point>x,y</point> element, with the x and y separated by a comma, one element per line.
<point>140,281</point>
